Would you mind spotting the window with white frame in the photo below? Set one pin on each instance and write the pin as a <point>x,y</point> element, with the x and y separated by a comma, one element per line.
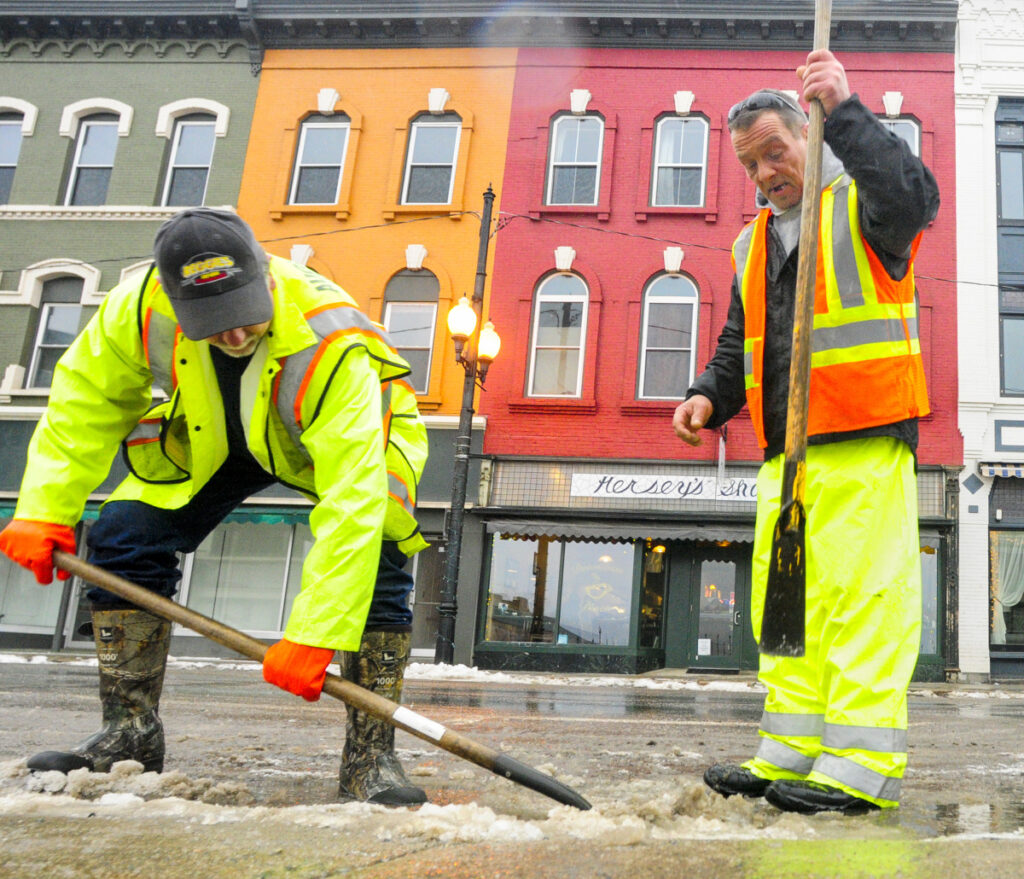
<point>60,312</point>
<point>669,332</point>
<point>188,170</point>
<point>410,316</point>
<point>575,172</point>
<point>907,130</point>
<point>680,162</point>
<point>320,159</point>
<point>93,163</point>
<point>10,148</point>
<point>559,333</point>
<point>430,159</point>
<point>1010,248</point>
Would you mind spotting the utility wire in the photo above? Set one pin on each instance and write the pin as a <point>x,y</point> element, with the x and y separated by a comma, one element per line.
<point>503,220</point>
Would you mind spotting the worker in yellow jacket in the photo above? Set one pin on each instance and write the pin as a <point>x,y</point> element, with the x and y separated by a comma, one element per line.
<point>271,374</point>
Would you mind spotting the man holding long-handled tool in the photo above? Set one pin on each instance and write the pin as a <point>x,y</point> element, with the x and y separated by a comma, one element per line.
<point>273,375</point>
<point>833,733</point>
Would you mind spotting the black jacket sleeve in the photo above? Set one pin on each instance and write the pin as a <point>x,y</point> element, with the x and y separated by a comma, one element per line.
<point>898,195</point>
<point>722,380</point>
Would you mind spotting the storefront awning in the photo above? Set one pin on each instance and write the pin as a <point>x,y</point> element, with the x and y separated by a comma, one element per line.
<point>988,468</point>
<point>596,531</point>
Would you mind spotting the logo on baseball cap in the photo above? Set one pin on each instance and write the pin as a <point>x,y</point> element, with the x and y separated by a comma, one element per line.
<point>214,272</point>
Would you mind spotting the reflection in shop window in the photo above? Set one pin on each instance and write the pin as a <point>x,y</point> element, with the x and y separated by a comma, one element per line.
<point>929,595</point>
<point>550,590</point>
<point>1007,564</point>
<point>652,594</point>
<point>24,605</point>
<point>239,573</point>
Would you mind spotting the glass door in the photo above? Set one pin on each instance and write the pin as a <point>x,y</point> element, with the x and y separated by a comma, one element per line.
<point>709,609</point>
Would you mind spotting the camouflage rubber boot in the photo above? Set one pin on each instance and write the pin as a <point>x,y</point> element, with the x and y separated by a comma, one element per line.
<point>131,646</point>
<point>370,771</point>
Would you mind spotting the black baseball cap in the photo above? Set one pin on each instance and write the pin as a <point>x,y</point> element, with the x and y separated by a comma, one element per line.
<point>214,272</point>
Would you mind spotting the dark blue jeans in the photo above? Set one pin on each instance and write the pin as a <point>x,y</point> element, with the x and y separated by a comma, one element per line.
<point>140,543</point>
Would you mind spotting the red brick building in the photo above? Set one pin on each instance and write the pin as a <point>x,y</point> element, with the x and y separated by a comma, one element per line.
<point>613,545</point>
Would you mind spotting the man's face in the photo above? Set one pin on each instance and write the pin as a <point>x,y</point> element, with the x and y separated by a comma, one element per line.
<point>773,158</point>
<point>242,341</point>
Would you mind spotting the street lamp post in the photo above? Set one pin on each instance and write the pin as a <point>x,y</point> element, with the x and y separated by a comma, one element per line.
<point>474,350</point>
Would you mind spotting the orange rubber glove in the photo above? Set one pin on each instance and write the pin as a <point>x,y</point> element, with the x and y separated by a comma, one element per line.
<point>297,668</point>
<point>31,543</point>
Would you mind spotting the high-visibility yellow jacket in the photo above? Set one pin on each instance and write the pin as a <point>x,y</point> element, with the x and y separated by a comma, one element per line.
<point>324,407</point>
<point>866,367</point>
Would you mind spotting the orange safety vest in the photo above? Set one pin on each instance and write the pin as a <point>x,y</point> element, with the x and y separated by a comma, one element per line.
<point>866,367</point>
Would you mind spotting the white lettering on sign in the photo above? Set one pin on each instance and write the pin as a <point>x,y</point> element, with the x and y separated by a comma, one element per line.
<point>694,488</point>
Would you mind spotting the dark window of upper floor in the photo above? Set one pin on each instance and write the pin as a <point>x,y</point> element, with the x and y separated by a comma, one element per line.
<point>574,172</point>
<point>94,149</point>
<point>431,156</point>
<point>680,162</point>
<point>191,158</point>
<point>60,312</point>
<point>10,148</point>
<point>320,159</point>
<point>410,316</point>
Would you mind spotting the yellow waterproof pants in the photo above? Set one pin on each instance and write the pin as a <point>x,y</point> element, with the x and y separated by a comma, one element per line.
<point>838,714</point>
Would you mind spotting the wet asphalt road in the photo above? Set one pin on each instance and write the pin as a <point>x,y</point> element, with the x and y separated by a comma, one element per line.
<point>250,782</point>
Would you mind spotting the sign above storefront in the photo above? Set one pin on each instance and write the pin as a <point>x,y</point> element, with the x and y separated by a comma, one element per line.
<point>655,485</point>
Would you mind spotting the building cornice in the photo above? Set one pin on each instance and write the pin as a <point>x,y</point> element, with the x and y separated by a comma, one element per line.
<point>858,25</point>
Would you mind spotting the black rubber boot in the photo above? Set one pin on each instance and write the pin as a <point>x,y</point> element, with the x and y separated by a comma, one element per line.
<point>131,646</point>
<point>808,797</point>
<point>728,779</point>
<point>370,771</point>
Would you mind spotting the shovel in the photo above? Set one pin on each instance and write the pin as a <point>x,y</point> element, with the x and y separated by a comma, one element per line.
<point>782,625</point>
<point>349,693</point>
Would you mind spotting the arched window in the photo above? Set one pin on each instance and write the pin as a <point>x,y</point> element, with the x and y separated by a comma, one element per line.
<point>320,159</point>
<point>558,337</point>
<point>410,315</point>
<point>430,158</point>
<point>574,174</point>
<point>60,313</point>
<point>669,332</point>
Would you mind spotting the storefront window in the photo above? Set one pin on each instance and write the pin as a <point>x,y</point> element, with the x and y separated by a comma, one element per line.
<point>652,594</point>
<point>24,604</point>
<point>238,575</point>
<point>1007,573</point>
<point>557,591</point>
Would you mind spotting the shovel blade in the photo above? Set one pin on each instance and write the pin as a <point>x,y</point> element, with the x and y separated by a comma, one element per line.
<point>782,625</point>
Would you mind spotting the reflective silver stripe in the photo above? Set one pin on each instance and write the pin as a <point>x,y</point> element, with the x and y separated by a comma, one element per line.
<point>741,251</point>
<point>397,488</point>
<point>860,778</point>
<point>294,368</point>
<point>293,371</point>
<point>160,349</point>
<point>912,323</point>
<point>865,738</point>
<point>145,431</point>
<point>783,756</point>
<point>780,724</point>
<point>844,258</point>
<point>345,317</point>
<point>748,362</point>
<point>863,332</point>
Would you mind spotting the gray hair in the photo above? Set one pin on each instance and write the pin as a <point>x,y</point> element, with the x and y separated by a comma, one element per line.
<point>746,112</point>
